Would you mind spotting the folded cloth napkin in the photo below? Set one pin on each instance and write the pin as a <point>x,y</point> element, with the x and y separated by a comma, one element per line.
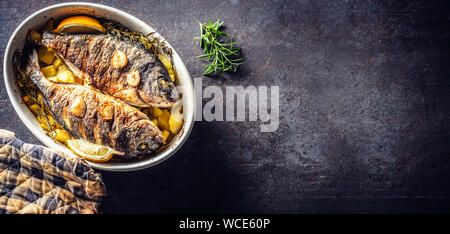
<point>35,179</point>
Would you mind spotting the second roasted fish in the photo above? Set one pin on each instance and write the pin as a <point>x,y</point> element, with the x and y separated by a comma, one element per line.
<point>122,69</point>
<point>96,117</point>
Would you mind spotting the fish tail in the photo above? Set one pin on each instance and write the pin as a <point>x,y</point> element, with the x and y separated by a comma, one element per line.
<point>36,76</point>
<point>46,39</point>
<point>33,62</point>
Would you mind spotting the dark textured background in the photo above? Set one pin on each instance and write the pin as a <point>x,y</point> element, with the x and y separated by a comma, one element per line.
<point>364,102</point>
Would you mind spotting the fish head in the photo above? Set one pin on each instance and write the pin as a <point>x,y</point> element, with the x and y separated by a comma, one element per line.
<point>140,139</point>
<point>157,89</point>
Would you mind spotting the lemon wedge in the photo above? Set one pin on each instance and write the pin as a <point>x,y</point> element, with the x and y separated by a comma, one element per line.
<point>91,151</point>
<point>80,24</point>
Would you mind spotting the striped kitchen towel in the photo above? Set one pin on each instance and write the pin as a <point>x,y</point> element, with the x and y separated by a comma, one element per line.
<point>35,179</point>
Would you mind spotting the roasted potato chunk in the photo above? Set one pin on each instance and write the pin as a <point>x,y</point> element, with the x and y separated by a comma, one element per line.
<point>156,112</point>
<point>49,71</point>
<point>175,122</point>
<point>66,77</point>
<point>46,55</point>
<point>35,36</point>
<point>166,134</point>
<point>163,120</point>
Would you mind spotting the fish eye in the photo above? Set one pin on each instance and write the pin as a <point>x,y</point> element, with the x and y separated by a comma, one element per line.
<point>143,146</point>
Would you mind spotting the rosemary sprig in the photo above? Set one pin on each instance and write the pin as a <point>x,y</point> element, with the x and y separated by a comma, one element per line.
<point>221,55</point>
<point>30,90</point>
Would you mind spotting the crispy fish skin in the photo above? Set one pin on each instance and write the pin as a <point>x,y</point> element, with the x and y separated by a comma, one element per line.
<point>96,117</point>
<point>141,80</point>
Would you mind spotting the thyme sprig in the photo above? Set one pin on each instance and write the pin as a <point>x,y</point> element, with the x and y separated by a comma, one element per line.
<point>149,41</point>
<point>221,55</point>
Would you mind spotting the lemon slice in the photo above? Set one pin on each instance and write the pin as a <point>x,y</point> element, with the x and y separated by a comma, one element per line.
<point>80,24</point>
<point>91,151</point>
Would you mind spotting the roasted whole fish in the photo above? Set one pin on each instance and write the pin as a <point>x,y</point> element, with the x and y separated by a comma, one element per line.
<point>97,117</point>
<point>122,69</point>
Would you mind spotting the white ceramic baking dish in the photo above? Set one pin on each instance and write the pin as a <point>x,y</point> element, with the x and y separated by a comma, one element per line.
<point>59,11</point>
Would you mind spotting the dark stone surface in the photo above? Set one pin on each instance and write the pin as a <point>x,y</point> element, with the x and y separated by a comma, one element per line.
<point>364,101</point>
